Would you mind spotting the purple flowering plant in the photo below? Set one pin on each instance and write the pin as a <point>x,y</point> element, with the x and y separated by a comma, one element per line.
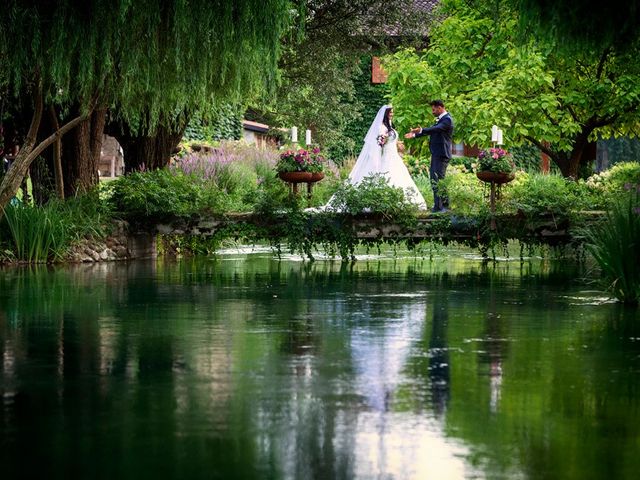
<point>497,160</point>
<point>301,160</point>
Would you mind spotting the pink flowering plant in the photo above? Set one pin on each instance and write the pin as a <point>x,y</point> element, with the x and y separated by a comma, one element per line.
<point>301,160</point>
<point>495,159</point>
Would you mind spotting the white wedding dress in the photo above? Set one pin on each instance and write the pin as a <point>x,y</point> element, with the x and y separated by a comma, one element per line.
<point>384,160</point>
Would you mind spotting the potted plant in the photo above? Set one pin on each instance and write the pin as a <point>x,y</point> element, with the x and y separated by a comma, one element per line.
<point>301,165</point>
<point>495,165</point>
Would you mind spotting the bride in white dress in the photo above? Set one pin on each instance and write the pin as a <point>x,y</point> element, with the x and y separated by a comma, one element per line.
<point>380,155</point>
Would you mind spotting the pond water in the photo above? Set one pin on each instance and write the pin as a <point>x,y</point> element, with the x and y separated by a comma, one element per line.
<point>243,366</point>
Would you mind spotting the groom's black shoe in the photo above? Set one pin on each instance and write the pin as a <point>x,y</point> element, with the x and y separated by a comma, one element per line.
<point>439,210</point>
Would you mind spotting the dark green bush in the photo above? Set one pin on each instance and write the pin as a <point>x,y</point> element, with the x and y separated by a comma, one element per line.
<point>155,195</point>
<point>373,194</point>
<point>533,194</point>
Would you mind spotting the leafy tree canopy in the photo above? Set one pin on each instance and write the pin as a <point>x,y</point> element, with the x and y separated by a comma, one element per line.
<point>557,101</point>
<point>583,23</point>
<point>320,63</point>
<point>149,59</point>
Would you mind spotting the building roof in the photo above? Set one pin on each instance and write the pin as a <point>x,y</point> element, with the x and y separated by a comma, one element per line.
<point>255,126</point>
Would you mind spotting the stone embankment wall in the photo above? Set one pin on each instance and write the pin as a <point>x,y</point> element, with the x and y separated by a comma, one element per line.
<point>120,244</point>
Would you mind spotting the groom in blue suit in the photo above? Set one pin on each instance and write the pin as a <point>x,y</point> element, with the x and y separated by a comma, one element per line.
<point>440,145</point>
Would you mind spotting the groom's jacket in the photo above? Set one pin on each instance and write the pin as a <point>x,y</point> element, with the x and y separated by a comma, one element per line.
<point>440,137</point>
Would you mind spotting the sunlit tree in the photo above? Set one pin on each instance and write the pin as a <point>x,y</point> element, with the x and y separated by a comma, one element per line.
<point>557,101</point>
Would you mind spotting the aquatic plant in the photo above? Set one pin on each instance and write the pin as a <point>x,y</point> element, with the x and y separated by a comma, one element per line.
<point>615,244</point>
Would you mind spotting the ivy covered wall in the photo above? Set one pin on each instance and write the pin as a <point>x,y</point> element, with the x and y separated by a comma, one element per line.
<point>224,124</point>
<point>368,98</point>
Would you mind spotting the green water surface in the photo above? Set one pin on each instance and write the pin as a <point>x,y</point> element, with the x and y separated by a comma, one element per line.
<point>246,367</point>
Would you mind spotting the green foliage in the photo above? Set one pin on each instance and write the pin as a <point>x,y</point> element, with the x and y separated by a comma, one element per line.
<point>334,229</point>
<point>526,157</point>
<point>416,165</point>
<point>373,194</point>
<point>36,232</point>
<point>615,244</point>
<point>155,195</point>
<point>181,245</point>
<point>534,194</point>
<point>225,179</point>
<point>582,24</point>
<point>225,123</point>
<point>487,76</point>
<point>465,163</point>
<point>613,181</point>
<point>45,233</point>
<point>150,59</point>
<point>465,192</point>
<point>326,69</point>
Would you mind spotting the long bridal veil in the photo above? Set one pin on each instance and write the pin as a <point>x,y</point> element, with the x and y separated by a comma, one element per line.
<point>370,158</point>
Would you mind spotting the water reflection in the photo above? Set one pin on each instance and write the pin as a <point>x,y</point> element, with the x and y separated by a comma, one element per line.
<point>439,355</point>
<point>253,368</point>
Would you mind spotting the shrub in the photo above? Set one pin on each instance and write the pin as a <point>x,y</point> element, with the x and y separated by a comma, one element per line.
<point>157,194</point>
<point>464,190</point>
<point>612,182</point>
<point>373,194</point>
<point>416,165</point>
<point>533,194</point>
<point>615,244</point>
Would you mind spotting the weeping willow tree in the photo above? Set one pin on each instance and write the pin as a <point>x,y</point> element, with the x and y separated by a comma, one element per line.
<point>149,62</point>
<point>582,23</point>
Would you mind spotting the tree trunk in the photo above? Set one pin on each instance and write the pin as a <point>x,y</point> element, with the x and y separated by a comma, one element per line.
<point>148,152</point>
<point>57,156</point>
<point>572,167</point>
<point>81,151</point>
<point>12,180</point>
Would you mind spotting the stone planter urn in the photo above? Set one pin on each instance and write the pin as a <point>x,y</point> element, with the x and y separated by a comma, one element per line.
<point>495,178</point>
<point>498,178</point>
<point>294,178</point>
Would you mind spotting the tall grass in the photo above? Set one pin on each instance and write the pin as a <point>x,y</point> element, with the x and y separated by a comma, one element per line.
<point>38,233</point>
<point>42,234</point>
<point>615,244</point>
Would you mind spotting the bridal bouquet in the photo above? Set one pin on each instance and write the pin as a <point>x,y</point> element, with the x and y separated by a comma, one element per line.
<point>301,160</point>
<point>382,139</point>
<point>495,160</point>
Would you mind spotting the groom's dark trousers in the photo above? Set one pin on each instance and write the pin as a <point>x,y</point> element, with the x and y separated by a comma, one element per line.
<point>440,146</point>
<point>437,171</point>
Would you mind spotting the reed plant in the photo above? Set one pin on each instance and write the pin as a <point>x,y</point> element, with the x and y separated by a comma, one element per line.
<point>40,234</point>
<point>615,245</point>
<point>37,233</point>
